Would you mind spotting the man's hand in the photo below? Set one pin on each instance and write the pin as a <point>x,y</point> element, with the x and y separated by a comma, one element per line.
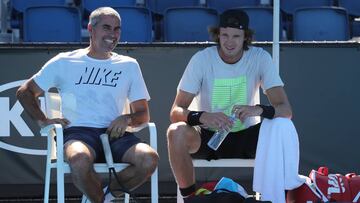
<point>63,121</point>
<point>217,120</point>
<point>244,111</point>
<point>118,126</point>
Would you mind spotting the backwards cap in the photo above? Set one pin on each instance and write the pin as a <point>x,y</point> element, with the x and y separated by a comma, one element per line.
<point>234,18</point>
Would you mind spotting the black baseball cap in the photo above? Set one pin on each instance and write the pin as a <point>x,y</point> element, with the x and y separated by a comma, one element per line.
<point>234,18</point>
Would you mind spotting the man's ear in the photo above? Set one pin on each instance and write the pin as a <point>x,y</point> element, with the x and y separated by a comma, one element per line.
<point>89,28</point>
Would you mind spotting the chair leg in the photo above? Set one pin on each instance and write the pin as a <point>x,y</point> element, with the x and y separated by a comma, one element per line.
<point>127,198</point>
<point>83,199</point>
<point>47,183</point>
<point>60,185</point>
<point>179,198</point>
<point>154,187</point>
<point>257,196</point>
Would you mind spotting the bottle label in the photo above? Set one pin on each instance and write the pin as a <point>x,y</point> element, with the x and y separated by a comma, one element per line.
<point>216,140</point>
<point>219,136</point>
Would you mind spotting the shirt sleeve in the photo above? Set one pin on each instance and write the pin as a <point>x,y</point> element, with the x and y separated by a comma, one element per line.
<point>138,88</point>
<point>47,77</point>
<point>192,78</point>
<point>268,73</point>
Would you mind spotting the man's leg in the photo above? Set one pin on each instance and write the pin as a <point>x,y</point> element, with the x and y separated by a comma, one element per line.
<point>143,162</point>
<point>81,158</point>
<point>183,140</point>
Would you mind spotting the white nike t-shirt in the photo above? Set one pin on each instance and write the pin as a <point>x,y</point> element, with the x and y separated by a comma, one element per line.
<point>93,91</point>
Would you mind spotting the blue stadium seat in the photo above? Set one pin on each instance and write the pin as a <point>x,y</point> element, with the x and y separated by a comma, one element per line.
<point>90,5</point>
<point>261,22</point>
<point>19,6</point>
<point>188,24</point>
<point>353,9</point>
<point>136,24</point>
<point>289,6</point>
<point>160,6</point>
<point>222,5</point>
<point>352,6</point>
<point>323,23</point>
<point>52,24</point>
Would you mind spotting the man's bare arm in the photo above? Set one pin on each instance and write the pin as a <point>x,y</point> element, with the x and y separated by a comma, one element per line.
<point>278,99</point>
<point>139,115</point>
<point>28,95</point>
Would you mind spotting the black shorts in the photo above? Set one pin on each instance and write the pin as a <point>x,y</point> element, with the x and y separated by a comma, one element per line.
<point>241,144</point>
<point>91,136</point>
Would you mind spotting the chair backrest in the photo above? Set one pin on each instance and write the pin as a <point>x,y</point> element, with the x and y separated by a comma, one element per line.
<point>53,105</point>
<point>52,24</point>
<point>261,22</point>
<point>160,6</point>
<point>323,23</point>
<point>18,7</point>
<point>222,5</point>
<point>90,5</point>
<point>52,110</point>
<point>136,24</point>
<point>351,6</point>
<point>21,5</point>
<point>188,23</point>
<point>289,6</point>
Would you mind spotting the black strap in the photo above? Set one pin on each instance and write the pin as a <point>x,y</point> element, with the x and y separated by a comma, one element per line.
<point>193,118</point>
<point>122,187</point>
<point>268,111</point>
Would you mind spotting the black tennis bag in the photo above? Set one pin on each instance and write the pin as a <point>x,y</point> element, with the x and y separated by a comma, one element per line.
<point>217,196</point>
<point>224,191</point>
<point>222,196</point>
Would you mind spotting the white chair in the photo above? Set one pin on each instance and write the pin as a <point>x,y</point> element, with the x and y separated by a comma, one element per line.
<point>55,155</point>
<point>240,163</point>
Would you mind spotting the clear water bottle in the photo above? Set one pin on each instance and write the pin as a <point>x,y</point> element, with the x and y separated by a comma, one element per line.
<point>220,135</point>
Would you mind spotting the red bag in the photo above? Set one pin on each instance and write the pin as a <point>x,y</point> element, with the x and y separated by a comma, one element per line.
<point>303,194</point>
<point>325,187</point>
<point>354,183</point>
<point>332,187</point>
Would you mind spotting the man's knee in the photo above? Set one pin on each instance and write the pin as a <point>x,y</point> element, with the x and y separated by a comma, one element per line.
<point>177,133</point>
<point>81,162</point>
<point>150,162</point>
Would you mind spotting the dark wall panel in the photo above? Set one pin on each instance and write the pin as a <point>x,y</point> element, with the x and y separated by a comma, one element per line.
<point>321,80</point>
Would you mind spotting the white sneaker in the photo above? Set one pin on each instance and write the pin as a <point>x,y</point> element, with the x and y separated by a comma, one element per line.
<point>108,196</point>
<point>84,199</point>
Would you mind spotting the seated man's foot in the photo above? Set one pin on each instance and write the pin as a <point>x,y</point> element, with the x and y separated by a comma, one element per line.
<point>108,197</point>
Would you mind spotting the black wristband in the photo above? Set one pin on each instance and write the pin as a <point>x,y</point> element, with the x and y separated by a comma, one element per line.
<point>268,111</point>
<point>193,118</point>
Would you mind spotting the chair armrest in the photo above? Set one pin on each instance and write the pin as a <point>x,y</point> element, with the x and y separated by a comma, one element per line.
<point>50,131</point>
<point>47,129</point>
<point>137,128</point>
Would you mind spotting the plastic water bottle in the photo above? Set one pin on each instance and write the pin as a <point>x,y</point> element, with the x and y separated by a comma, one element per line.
<point>220,135</point>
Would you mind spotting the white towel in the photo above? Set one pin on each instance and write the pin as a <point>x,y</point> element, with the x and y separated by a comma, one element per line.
<point>277,160</point>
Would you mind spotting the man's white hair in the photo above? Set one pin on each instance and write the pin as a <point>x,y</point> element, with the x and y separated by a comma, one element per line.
<point>95,16</point>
